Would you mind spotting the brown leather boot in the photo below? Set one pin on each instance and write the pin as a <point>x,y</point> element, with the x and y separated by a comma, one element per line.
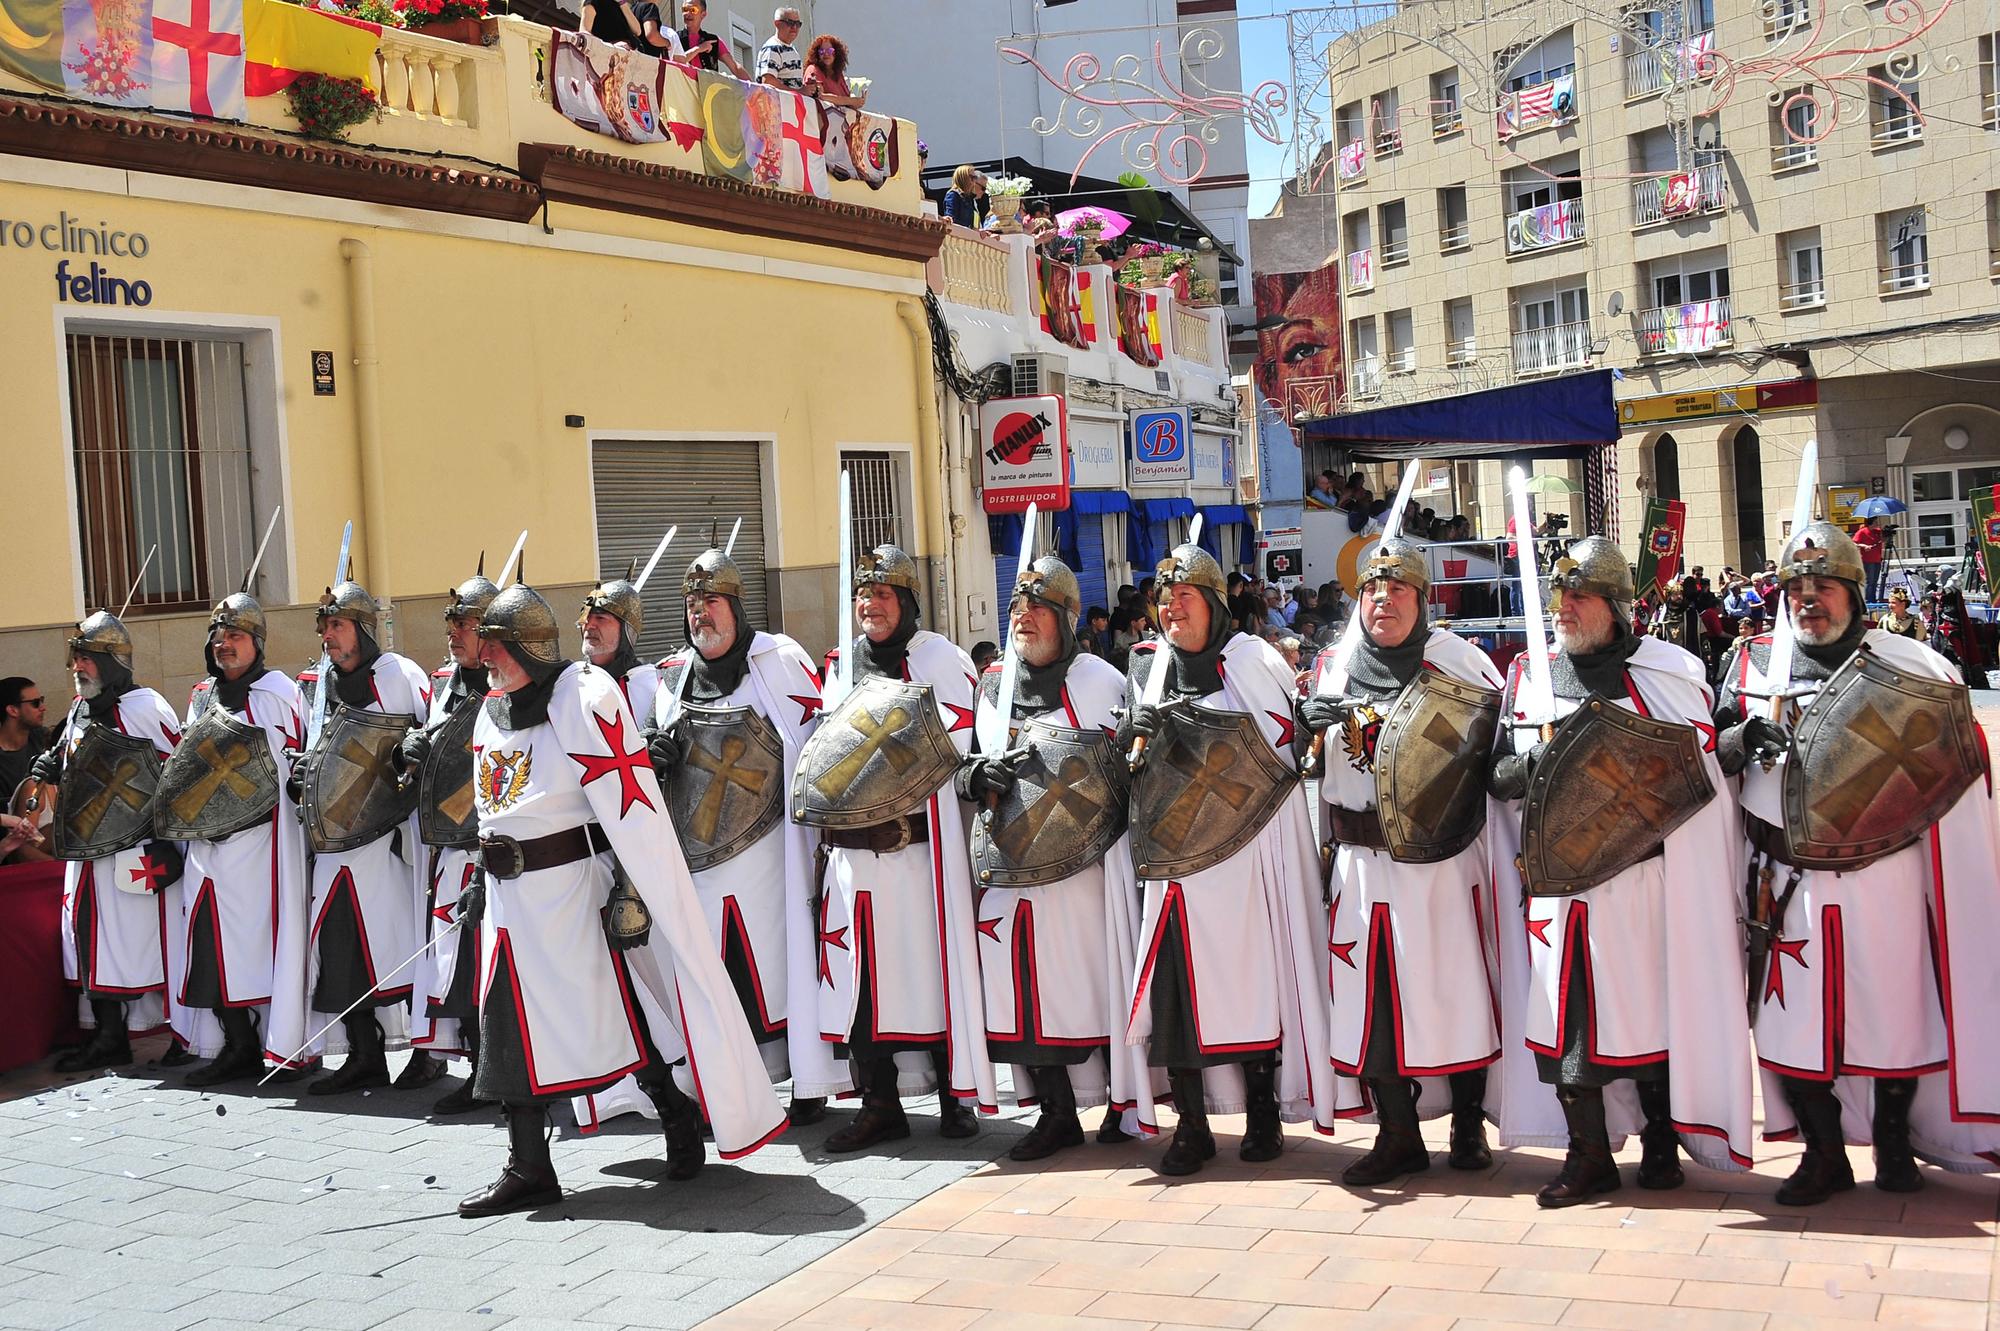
<point>1588,1170</point>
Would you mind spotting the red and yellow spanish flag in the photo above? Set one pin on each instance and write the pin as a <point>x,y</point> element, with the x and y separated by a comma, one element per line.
<point>283,41</point>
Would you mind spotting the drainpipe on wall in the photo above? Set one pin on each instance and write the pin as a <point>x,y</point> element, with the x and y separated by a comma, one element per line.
<point>946,518</point>
<point>368,413</point>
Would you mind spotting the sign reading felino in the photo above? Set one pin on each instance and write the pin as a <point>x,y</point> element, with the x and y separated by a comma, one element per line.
<point>1024,453</point>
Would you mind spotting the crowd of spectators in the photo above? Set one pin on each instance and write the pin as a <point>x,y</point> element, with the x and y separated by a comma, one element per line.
<point>820,69</point>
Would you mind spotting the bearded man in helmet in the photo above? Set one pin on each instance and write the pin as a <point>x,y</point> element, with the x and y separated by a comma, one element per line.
<point>562,783</point>
<point>1617,966</point>
<point>246,884</point>
<point>1407,730</point>
<point>898,978</point>
<point>115,871</point>
<point>1052,871</point>
<point>1230,992</point>
<point>613,618</point>
<point>734,708</point>
<point>1872,894</point>
<point>367,896</point>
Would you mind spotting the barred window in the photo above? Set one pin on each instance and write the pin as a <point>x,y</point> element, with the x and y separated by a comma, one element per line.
<point>880,490</point>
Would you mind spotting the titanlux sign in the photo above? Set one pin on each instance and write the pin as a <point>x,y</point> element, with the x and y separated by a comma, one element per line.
<point>1024,453</point>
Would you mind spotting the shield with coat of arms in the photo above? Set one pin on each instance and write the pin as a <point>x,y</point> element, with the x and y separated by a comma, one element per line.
<point>103,804</point>
<point>220,781</point>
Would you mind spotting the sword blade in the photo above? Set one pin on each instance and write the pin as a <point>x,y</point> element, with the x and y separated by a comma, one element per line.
<point>513,558</point>
<point>731,545</point>
<point>409,961</point>
<point>316,723</point>
<point>1541,708</point>
<point>843,670</point>
<point>1783,637</point>
<point>138,578</point>
<point>994,722</point>
<point>658,550</point>
<point>263,545</point>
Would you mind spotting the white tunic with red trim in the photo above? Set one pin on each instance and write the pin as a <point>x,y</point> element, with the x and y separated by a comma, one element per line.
<point>915,908</point>
<point>1053,944</point>
<point>1430,927</point>
<point>1256,926</point>
<point>448,872</point>
<point>124,951</point>
<point>255,881</point>
<point>1887,970</point>
<point>1664,947</point>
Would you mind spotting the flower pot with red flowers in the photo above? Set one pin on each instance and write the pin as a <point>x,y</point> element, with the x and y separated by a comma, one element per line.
<point>453,20</point>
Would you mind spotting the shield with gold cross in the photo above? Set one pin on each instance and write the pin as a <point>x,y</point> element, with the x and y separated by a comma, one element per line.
<point>1430,767</point>
<point>1067,808</point>
<point>221,780</point>
<point>352,792</point>
<point>107,782</point>
<point>1209,784</point>
<point>1879,756</point>
<point>877,755</point>
<point>1606,794</point>
<point>730,790</point>
<point>446,815</point>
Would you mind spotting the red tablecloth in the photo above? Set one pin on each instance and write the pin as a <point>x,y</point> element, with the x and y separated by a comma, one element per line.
<point>37,1010</point>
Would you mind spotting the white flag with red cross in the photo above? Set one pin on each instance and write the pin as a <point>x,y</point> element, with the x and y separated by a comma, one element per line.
<point>198,57</point>
<point>804,143</point>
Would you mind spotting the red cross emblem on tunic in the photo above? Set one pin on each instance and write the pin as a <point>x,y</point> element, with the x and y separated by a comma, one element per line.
<point>150,872</point>
<point>626,765</point>
<point>961,717</point>
<point>1284,739</point>
<point>1538,930</point>
<point>1774,983</point>
<point>991,928</point>
<point>1345,951</point>
<point>830,938</point>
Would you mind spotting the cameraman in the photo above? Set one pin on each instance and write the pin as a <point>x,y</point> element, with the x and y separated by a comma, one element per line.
<point>1873,541</point>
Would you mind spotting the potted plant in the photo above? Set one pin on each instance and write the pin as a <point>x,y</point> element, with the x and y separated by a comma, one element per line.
<point>383,12</point>
<point>453,20</point>
<point>326,107</point>
<point>1006,194</point>
<point>1204,292</point>
<point>1088,232</point>
<point>1145,264</point>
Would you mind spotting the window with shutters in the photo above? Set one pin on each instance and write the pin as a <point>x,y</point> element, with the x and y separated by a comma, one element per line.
<point>700,487</point>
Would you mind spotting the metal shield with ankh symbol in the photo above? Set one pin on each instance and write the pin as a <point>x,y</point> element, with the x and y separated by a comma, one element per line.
<point>1879,756</point>
<point>221,780</point>
<point>107,784</point>
<point>352,794</point>
<point>446,815</point>
<point>1430,767</point>
<point>879,754</point>
<point>730,789</point>
<point>1067,808</point>
<point>1606,794</point>
<point>1210,783</point>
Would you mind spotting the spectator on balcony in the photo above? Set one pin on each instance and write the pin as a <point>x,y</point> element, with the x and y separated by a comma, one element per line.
<point>965,202</point>
<point>610,21</point>
<point>1038,220</point>
<point>654,38</point>
<point>704,49</point>
<point>826,73</point>
<point>778,61</point>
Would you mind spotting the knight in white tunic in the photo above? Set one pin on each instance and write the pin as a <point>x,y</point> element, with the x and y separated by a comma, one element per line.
<point>898,977</point>
<point>1414,960</point>
<point>562,784</point>
<point>1616,967</point>
<point>733,709</point>
<point>1230,992</point>
<point>1875,905</point>
<point>114,902</point>
<point>612,621</point>
<point>1057,931</point>
<point>243,889</point>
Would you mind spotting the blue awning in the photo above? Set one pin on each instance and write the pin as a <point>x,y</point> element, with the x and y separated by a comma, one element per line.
<point>1087,502</point>
<point>1159,510</point>
<point>1214,515</point>
<point>1566,417</point>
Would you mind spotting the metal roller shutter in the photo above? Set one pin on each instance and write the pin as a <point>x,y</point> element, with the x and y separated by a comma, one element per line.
<point>1090,558</point>
<point>645,487</point>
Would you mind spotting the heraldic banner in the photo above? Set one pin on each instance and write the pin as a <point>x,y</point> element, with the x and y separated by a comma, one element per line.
<point>1986,522</point>
<point>1660,556</point>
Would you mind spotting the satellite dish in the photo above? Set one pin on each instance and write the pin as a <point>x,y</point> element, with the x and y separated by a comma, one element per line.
<point>1707,137</point>
<point>1616,305</point>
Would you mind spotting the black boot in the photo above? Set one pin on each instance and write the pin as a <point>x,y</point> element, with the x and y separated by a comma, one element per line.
<point>176,1055</point>
<point>1660,1145</point>
<point>529,1180</point>
<point>881,1118</point>
<point>462,1100</point>
<point>367,1062</point>
<point>1823,1169</point>
<point>1895,1163</point>
<point>1468,1121</point>
<point>1111,1131</point>
<point>680,1124</point>
<point>242,1051</point>
<point>109,1045</point>
<point>423,1068</point>
<point>806,1111</point>
<point>955,1118</point>
<point>1588,1170</point>
<point>1399,1145</point>
<point>1263,1129</point>
<point>1193,1145</point>
<point>1058,1126</point>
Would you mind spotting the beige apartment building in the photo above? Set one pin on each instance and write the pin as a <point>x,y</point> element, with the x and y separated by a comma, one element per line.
<point>1660,189</point>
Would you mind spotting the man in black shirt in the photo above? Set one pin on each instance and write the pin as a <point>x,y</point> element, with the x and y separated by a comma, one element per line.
<point>24,731</point>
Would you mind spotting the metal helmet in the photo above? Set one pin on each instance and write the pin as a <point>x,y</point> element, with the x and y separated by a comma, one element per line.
<point>1595,567</point>
<point>105,635</point>
<point>619,598</point>
<point>887,566</point>
<point>238,610</point>
<point>350,600</point>
<point>1193,565</point>
<point>1821,550</point>
<point>470,598</point>
<point>522,617</point>
<point>713,574</point>
<point>1049,581</point>
<point>1400,561</point>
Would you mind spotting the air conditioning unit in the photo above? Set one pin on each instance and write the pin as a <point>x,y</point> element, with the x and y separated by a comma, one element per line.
<point>1036,375</point>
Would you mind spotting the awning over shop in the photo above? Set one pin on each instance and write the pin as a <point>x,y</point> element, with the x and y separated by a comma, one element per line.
<point>1566,417</point>
<point>1087,502</point>
<point>1139,546</point>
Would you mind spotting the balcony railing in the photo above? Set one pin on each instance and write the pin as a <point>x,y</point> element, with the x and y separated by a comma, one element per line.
<point>1395,252</point>
<point>1785,18</point>
<point>1546,227</point>
<point>1364,378</point>
<point>424,77</point>
<point>975,271</point>
<point>1898,127</point>
<point>1446,120</point>
<point>1807,295</point>
<point>1793,153</point>
<point>1461,352</point>
<point>1455,236</point>
<point>1552,349</point>
<point>1403,360</point>
<point>1689,329</point>
<point>1897,278</point>
<point>1361,269</point>
<point>1191,336</point>
<point>1650,68</point>
<point>1683,194</point>
<point>1388,142</point>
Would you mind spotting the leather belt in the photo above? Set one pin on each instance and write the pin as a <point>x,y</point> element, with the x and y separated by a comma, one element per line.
<point>505,857</point>
<point>882,838</point>
<point>1767,840</point>
<point>1356,827</point>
